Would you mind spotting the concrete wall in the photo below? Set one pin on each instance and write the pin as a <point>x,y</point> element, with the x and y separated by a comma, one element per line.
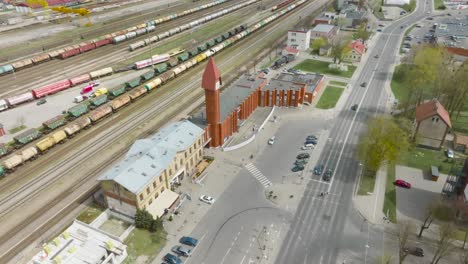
<point>121,206</point>
<point>299,40</point>
<point>431,132</point>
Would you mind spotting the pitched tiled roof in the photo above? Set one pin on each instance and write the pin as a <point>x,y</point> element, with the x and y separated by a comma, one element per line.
<point>211,75</point>
<point>358,46</point>
<point>291,50</point>
<point>430,109</point>
<point>461,139</point>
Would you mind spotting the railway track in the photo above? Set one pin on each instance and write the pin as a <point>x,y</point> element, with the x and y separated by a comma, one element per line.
<point>57,70</point>
<point>233,53</point>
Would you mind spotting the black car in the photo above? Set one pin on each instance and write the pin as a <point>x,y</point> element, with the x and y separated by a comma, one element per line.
<point>301,162</point>
<point>364,84</point>
<point>318,169</point>
<point>172,259</point>
<point>303,156</point>
<point>313,142</point>
<point>416,251</point>
<point>354,107</point>
<point>328,174</point>
<point>297,168</point>
<point>312,137</point>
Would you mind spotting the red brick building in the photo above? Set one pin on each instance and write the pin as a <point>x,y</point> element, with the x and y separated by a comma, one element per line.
<point>224,111</point>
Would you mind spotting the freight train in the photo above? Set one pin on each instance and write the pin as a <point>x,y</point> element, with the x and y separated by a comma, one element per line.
<point>281,5</point>
<point>122,96</point>
<point>115,37</point>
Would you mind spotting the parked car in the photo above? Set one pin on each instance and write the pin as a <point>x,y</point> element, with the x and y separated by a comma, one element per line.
<point>301,162</point>
<point>379,30</point>
<point>312,137</point>
<point>450,153</point>
<point>207,199</point>
<point>41,102</point>
<point>297,168</point>
<point>94,83</point>
<point>318,169</point>
<point>403,184</point>
<point>190,241</point>
<point>416,251</point>
<point>307,147</point>
<point>354,107</point>
<point>172,259</point>
<point>181,250</point>
<point>271,141</point>
<point>364,84</point>
<point>376,56</point>
<point>266,70</point>
<point>303,156</point>
<point>328,174</point>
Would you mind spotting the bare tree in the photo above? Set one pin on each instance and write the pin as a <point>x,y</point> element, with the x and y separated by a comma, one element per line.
<point>444,243</point>
<point>405,228</point>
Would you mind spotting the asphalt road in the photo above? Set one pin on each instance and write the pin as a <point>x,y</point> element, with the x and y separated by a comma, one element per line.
<point>339,234</point>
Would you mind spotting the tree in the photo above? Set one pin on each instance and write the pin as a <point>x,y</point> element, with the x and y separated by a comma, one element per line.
<point>439,210</point>
<point>362,32</point>
<point>143,219</point>
<point>444,243</point>
<point>339,22</point>
<point>405,228</point>
<point>383,141</point>
<point>339,48</point>
<point>156,224</point>
<point>318,43</point>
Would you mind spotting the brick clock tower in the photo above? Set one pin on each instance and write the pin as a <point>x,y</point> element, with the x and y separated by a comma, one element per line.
<point>211,82</point>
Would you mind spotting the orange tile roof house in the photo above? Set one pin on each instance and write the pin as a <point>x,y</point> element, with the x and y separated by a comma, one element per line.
<point>432,123</point>
<point>358,48</point>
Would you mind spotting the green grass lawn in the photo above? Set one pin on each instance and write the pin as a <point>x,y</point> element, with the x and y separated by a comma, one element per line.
<point>329,97</point>
<point>91,212</point>
<point>142,243</point>
<point>460,122</point>
<point>439,4</point>
<point>337,83</point>
<point>390,194</point>
<point>17,129</point>
<point>322,68</point>
<point>425,158</point>
<point>366,185</point>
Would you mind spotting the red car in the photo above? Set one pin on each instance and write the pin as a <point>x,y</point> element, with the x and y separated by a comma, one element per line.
<point>403,184</point>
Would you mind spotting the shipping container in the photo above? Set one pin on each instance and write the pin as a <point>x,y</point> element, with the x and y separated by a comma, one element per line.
<point>69,53</point>
<point>100,73</point>
<point>98,100</point>
<point>78,110</point>
<point>114,92</point>
<point>12,162</point>
<point>6,69</point>
<point>80,79</point>
<point>119,102</point>
<point>51,88</point>
<point>27,136</point>
<point>147,75</point>
<point>3,149</point>
<point>133,83</point>
<point>160,68</point>
<point>19,99</point>
<point>153,84</point>
<point>76,126</point>
<point>55,122</point>
<point>100,113</point>
<point>137,92</point>
<point>41,58</point>
<point>29,154</point>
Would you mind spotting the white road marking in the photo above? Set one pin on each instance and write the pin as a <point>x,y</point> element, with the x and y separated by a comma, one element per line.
<point>320,181</point>
<point>229,250</point>
<point>258,175</point>
<point>242,261</point>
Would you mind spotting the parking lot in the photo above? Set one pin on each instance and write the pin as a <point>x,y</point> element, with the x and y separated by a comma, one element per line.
<point>413,203</point>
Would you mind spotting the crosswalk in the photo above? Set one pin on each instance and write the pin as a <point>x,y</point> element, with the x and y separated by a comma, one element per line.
<point>258,175</point>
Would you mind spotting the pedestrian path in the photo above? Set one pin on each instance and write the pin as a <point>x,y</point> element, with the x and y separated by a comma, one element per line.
<point>258,175</point>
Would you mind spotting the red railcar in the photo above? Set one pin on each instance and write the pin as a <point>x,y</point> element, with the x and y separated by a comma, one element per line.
<point>87,46</point>
<point>70,53</point>
<point>80,79</point>
<point>51,88</point>
<point>103,42</point>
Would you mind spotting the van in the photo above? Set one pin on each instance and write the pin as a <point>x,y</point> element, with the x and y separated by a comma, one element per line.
<point>271,141</point>
<point>78,99</point>
<point>87,89</point>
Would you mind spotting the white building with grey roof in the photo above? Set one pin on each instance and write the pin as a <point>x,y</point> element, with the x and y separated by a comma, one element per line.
<point>147,176</point>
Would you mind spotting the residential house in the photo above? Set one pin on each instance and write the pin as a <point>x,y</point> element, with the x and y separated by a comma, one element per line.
<point>324,31</point>
<point>152,168</point>
<point>396,2</point>
<point>432,124</point>
<point>358,48</point>
<point>323,20</point>
<point>353,16</point>
<point>290,50</point>
<point>299,39</point>
<point>460,143</point>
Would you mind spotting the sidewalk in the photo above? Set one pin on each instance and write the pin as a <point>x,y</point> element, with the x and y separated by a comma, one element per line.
<point>371,206</point>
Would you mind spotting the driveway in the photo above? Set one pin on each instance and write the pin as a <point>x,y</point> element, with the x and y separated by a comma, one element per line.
<point>413,203</point>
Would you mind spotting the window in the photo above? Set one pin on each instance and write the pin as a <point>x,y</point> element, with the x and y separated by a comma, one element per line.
<point>199,152</point>
<point>150,201</point>
<point>176,167</point>
<point>147,190</point>
<point>185,154</point>
<point>154,184</point>
<point>293,40</point>
<point>170,171</point>
<point>181,162</point>
<point>294,34</point>
<point>162,189</point>
<point>160,179</point>
<point>156,195</point>
<point>141,197</point>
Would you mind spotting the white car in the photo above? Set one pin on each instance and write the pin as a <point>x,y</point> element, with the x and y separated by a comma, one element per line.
<point>207,199</point>
<point>307,147</point>
<point>450,153</point>
<point>271,141</point>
